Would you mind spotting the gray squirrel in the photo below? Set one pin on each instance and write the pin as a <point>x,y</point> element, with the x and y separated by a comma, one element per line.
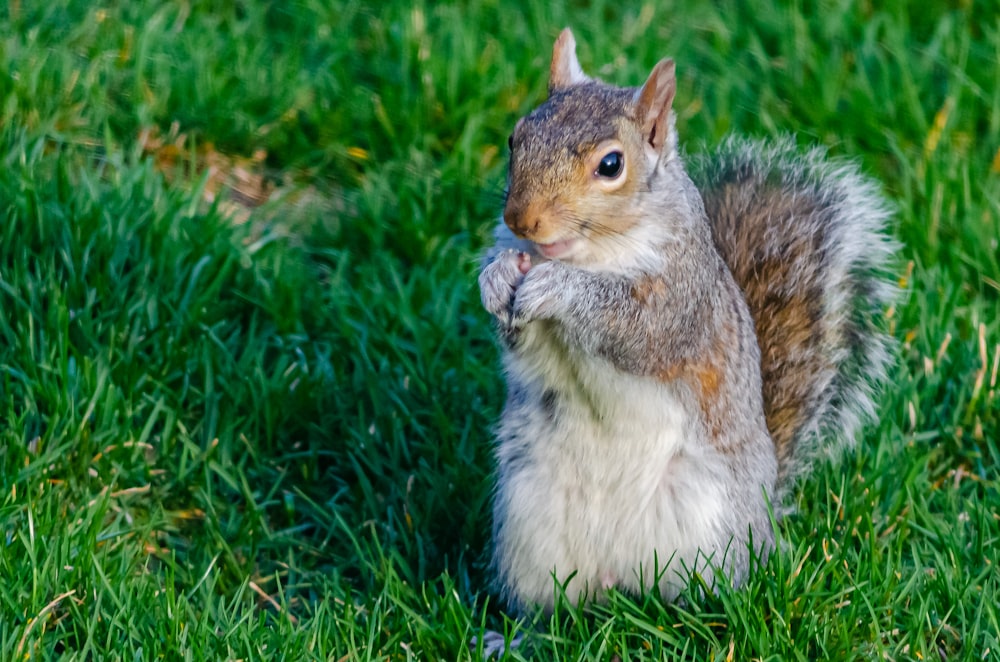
<point>679,349</point>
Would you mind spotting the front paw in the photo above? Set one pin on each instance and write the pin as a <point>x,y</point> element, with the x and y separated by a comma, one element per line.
<point>543,294</point>
<point>499,280</point>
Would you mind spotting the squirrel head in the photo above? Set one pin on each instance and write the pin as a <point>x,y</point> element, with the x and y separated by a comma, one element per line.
<point>581,162</point>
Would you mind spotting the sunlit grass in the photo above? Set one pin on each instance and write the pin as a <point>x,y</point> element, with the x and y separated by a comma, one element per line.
<point>231,431</point>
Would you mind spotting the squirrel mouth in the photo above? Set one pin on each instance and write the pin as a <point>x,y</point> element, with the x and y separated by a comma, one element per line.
<point>557,249</point>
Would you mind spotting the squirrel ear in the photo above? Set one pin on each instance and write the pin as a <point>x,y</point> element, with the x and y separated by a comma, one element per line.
<point>654,101</point>
<point>565,71</point>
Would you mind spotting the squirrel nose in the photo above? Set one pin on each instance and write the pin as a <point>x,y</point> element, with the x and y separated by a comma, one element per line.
<point>512,217</point>
<point>520,219</point>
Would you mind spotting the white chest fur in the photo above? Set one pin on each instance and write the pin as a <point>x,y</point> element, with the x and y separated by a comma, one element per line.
<point>602,474</point>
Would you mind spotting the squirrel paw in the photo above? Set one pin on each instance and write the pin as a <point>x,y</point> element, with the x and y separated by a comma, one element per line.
<point>540,295</point>
<point>498,282</point>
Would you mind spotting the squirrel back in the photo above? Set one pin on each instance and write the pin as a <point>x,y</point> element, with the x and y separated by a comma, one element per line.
<point>804,237</point>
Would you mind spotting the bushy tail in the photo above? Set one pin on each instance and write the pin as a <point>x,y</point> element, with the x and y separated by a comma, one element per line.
<point>805,238</point>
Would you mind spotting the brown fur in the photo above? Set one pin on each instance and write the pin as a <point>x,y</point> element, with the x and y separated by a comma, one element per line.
<point>757,227</point>
<point>705,378</point>
<point>744,289</point>
<point>647,289</point>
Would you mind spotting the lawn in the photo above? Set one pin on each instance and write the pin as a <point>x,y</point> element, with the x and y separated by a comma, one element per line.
<point>246,384</point>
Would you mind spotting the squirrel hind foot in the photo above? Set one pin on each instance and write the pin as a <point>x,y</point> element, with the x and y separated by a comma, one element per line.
<point>495,644</point>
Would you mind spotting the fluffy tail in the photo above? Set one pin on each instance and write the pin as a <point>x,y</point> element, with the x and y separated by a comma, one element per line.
<point>805,239</point>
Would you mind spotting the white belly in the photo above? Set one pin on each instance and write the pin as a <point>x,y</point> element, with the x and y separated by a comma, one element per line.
<point>613,482</point>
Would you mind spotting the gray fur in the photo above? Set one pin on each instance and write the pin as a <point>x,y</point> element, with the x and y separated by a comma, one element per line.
<point>638,430</point>
<point>844,217</point>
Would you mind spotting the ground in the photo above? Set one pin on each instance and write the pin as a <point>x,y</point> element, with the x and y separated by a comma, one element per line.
<point>246,386</point>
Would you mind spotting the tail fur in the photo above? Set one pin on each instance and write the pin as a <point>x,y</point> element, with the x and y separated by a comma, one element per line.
<point>805,238</point>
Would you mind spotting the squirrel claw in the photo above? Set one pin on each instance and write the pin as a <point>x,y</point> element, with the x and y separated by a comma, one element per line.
<point>524,262</point>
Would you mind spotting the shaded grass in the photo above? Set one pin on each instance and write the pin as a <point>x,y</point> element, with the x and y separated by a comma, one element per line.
<point>271,439</point>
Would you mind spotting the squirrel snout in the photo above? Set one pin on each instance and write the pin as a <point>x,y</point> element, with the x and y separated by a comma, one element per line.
<point>527,221</point>
<point>517,220</point>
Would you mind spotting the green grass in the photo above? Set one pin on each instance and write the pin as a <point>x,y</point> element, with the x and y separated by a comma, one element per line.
<point>268,437</point>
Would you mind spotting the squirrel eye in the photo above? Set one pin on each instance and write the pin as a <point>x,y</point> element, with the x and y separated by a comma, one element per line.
<point>510,142</point>
<point>611,165</point>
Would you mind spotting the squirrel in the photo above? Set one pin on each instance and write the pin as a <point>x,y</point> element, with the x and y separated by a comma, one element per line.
<point>678,348</point>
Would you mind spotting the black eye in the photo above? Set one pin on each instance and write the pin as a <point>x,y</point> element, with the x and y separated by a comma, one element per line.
<point>611,165</point>
<point>510,142</point>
